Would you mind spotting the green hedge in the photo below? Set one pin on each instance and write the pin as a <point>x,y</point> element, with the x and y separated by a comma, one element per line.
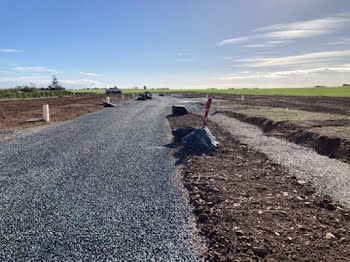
<point>10,93</point>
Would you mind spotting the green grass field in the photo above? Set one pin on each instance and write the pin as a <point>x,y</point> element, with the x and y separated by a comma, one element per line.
<point>316,91</point>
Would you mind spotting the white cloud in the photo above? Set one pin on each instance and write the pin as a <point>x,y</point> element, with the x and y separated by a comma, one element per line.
<point>184,60</point>
<point>89,74</point>
<point>8,50</point>
<point>295,30</point>
<point>236,40</point>
<point>82,83</point>
<point>294,60</point>
<point>21,80</point>
<point>33,69</point>
<point>341,42</point>
<point>256,45</point>
<point>45,80</point>
<point>259,75</point>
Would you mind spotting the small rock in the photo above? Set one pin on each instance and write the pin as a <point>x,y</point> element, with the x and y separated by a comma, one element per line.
<point>180,132</point>
<point>261,251</point>
<point>330,236</point>
<point>301,182</point>
<point>203,218</point>
<point>201,140</point>
<point>239,233</point>
<point>179,110</point>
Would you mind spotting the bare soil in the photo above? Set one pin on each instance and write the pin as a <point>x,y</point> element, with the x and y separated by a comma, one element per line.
<point>251,209</point>
<point>318,135</point>
<point>15,113</point>
<point>334,105</point>
<point>327,128</point>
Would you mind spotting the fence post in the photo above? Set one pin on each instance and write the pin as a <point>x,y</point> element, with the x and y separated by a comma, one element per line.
<point>108,100</point>
<point>46,113</point>
<point>122,97</point>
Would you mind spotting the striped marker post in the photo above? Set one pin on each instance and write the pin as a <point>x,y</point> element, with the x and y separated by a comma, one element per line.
<point>207,108</point>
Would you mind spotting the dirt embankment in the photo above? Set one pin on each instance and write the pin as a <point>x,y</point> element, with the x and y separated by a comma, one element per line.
<point>334,105</point>
<point>251,209</point>
<point>333,147</point>
<point>15,113</point>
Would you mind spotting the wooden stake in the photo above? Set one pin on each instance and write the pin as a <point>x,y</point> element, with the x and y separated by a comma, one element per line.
<point>46,113</point>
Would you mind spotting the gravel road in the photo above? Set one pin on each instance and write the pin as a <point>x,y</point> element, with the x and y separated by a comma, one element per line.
<point>329,176</point>
<point>101,187</point>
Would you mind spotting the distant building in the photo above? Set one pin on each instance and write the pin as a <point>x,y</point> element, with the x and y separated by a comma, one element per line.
<point>113,90</point>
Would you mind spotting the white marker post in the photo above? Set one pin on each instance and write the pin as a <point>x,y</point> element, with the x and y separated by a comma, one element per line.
<point>206,96</point>
<point>46,113</point>
<point>122,97</point>
<point>108,100</point>
<point>218,106</point>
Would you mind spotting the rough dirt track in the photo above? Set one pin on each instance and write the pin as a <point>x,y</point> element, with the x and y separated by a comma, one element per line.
<point>96,188</point>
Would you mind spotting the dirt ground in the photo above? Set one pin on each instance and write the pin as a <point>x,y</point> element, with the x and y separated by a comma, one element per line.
<point>335,105</point>
<point>251,209</point>
<point>15,113</point>
<point>321,123</point>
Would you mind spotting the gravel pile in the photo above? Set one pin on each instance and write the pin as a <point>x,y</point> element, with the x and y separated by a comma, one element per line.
<point>96,188</point>
<point>329,176</point>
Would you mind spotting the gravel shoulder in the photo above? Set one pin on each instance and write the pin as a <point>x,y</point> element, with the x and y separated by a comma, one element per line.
<point>98,187</point>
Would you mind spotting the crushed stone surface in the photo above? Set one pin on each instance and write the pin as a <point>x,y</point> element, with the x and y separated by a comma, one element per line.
<point>100,187</point>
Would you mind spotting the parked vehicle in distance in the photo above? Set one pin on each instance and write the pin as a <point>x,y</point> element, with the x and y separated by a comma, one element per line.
<point>145,95</point>
<point>113,90</point>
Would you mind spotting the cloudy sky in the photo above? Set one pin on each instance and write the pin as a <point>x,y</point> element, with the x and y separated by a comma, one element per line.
<point>175,44</point>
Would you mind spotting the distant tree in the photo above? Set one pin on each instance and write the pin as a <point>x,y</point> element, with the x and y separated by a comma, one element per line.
<point>144,87</point>
<point>55,85</point>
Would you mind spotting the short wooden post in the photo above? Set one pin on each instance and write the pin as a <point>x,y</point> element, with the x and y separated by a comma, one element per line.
<point>108,100</point>
<point>46,113</point>
<point>122,97</point>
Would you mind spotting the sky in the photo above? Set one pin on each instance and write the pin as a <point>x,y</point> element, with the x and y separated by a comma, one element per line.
<point>175,43</point>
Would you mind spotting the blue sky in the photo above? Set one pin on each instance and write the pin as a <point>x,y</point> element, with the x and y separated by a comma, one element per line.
<point>175,44</point>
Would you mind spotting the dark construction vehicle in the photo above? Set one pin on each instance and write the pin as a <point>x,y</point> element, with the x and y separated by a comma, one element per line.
<point>145,95</point>
<point>113,90</point>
